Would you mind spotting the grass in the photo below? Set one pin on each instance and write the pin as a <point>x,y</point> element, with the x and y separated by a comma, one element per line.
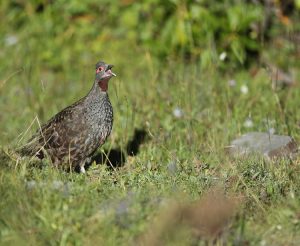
<point>173,178</point>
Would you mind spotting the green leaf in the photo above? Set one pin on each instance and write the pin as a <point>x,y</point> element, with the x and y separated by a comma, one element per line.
<point>238,50</point>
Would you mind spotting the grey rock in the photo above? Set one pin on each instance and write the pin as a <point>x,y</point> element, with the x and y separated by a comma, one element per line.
<point>268,145</point>
<point>122,208</point>
<point>30,184</point>
<point>172,168</point>
<point>57,184</point>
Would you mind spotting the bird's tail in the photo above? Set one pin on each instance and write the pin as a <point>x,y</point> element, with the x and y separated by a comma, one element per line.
<point>5,156</point>
<point>32,148</point>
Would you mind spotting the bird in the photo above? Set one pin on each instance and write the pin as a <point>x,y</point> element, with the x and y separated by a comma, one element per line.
<point>73,135</point>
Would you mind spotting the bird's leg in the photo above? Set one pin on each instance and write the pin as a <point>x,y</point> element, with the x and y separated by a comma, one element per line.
<point>86,161</point>
<point>82,169</point>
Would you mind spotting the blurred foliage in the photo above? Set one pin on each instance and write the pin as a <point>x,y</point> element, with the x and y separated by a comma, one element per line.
<point>199,28</point>
<point>203,30</point>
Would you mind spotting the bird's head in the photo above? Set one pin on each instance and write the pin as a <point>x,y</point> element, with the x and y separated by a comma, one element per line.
<point>103,75</point>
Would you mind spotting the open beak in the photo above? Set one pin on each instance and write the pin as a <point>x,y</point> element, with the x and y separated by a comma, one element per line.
<point>108,70</point>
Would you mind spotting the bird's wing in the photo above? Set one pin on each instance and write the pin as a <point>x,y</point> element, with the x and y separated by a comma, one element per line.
<point>64,129</point>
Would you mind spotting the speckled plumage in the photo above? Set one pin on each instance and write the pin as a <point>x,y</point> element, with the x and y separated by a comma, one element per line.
<point>72,136</point>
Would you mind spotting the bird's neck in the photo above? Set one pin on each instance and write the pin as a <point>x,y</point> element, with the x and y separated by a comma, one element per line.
<point>103,84</point>
<point>96,92</point>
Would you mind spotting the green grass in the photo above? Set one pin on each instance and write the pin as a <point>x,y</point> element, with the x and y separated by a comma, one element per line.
<point>180,160</point>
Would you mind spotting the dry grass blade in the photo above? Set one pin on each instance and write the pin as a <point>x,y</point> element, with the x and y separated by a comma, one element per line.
<point>2,83</point>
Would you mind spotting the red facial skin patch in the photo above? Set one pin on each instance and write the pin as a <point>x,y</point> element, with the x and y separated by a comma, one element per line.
<point>99,69</point>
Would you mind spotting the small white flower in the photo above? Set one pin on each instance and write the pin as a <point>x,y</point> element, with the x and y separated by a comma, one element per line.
<point>248,123</point>
<point>244,89</point>
<point>177,112</point>
<point>271,130</point>
<point>11,40</point>
<point>232,83</point>
<point>223,56</point>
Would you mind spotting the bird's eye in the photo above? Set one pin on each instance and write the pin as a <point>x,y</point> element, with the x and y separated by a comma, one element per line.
<point>100,69</point>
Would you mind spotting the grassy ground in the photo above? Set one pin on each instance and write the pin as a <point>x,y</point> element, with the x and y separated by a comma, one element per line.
<point>180,188</point>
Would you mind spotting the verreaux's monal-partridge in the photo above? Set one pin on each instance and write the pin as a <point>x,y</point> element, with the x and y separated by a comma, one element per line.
<point>73,135</point>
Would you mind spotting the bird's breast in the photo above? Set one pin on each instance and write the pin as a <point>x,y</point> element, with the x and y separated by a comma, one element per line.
<point>99,119</point>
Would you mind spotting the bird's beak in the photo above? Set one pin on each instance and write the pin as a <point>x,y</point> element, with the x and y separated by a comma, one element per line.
<point>108,70</point>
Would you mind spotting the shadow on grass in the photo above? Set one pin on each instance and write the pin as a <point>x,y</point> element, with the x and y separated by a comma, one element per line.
<point>115,158</point>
